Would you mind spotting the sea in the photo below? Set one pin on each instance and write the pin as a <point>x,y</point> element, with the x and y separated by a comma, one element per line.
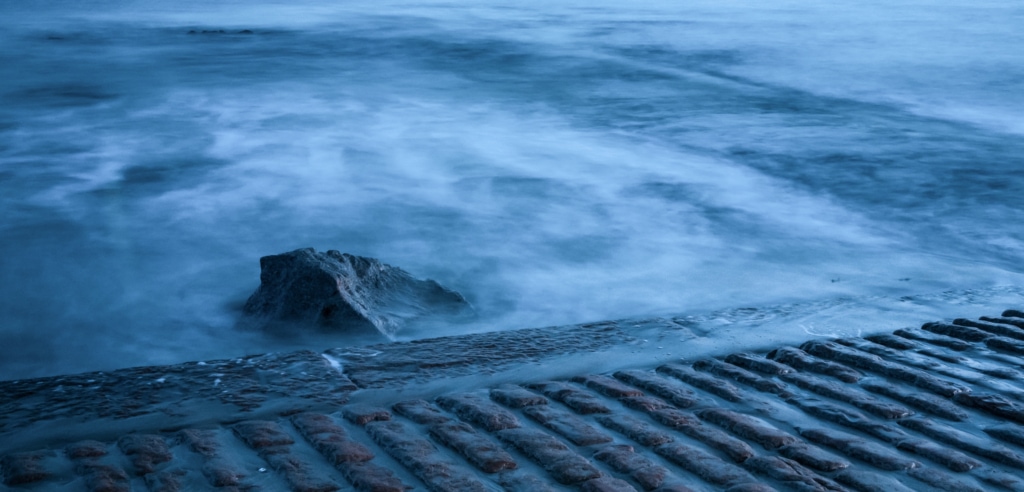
<point>787,167</point>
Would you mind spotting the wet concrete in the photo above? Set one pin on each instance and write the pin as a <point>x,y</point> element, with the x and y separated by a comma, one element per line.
<point>566,408</point>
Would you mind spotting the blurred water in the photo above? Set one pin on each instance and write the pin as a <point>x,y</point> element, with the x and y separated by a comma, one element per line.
<point>556,162</point>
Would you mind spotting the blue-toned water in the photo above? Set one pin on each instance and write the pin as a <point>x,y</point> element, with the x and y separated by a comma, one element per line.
<point>557,161</point>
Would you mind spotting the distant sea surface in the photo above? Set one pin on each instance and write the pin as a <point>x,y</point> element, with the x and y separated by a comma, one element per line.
<point>555,161</point>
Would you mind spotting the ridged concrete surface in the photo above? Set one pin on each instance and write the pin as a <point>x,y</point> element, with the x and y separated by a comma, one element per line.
<point>936,408</point>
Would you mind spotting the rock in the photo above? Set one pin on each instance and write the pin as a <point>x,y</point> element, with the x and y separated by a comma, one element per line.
<point>478,410</point>
<point>262,434</point>
<point>420,411</point>
<point>708,467</point>
<point>571,427</point>
<point>481,451</point>
<point>361,414</point>
<point>561,462</point>
<point>423,458</point>
<point>339,290</point>
<point>635,429</point>
<point>606,484</point>
<point>582,402</point>
<point>514,396</point>
<point>623,459</point>
<point>750,428</point>
<point>146,451</point>
<point>607,386</point>
<point>86,449</point>
<point>24,468</point>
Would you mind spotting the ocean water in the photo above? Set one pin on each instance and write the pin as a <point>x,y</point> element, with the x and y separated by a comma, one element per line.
<point>556,162</point>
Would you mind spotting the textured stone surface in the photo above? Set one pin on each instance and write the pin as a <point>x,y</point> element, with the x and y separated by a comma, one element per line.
<point>479,450</point>
<point>304,288</point>
<point>513,396</point>
<point>888,412</point>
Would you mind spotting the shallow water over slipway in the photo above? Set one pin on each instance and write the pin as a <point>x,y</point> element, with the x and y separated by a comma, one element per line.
<point>556,162</point>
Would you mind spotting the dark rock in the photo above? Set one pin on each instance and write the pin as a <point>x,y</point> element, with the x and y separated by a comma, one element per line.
<point>422,458</point>
<point>802,360</point>
<point>622,458</point>
<point>343,452</point>
<point>997,405</point>
<point>740,375</point>
<point>220,472</point>
<point>705,382</point>
<point>709,468</point>
<point>166,481</point>
<point>568,425</point>
<point>371,477</point>
<point>1015,322</point>
<point>564,465</point>
<point>606,484</point>
<point>479,450</point>
<point>420,411</point>
<point>338,290</point>
<point>331,440</point>
<point>893,342</point>
<point>644,403</point>
<point>301,476</point>
<point>515,396</point>
<point>942,481</point>
<point>313,424</point>
<point>962,332</point>
<point>146,451</point>
<point>23,468</point>
<point>523,482</point>
<point>478,410</point>
<point>674,487</point>
<point>221,475</point>
<point>1005,344</point>
<point>747,427</point>
<point>947,357</point>
<point>950,458</point>
<point>849,395</point>
<point>607,386</point>
<point>674,418</point>
<point>676,394</point>
<point>757,363</point>
<point>793,475</point>
<point>865,480</point>
<point>934,339</point>
<point>634,429</point>
<point>200,441</point>
<point>362,414</point>
<point>104,478</point>
<point>965,441</point>
<point>1007,432</point>
<point>850,418</point>
<point>260,434</point>
<point>814,457</point>
<point>1008,481</point>
<point>581,402</point>
<point>923,401</point>
<point>736,449</point>
<point>86,449</point>
<point>866,361</point>
<point>750,487</point>
<point>855,447</point>
<point>993,328</point>
<point>274,445</point>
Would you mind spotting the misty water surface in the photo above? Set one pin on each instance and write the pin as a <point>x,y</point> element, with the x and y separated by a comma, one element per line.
<point>556,162</point>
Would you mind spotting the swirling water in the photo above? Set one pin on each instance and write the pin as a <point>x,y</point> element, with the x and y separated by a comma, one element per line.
<point>556,162</point>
